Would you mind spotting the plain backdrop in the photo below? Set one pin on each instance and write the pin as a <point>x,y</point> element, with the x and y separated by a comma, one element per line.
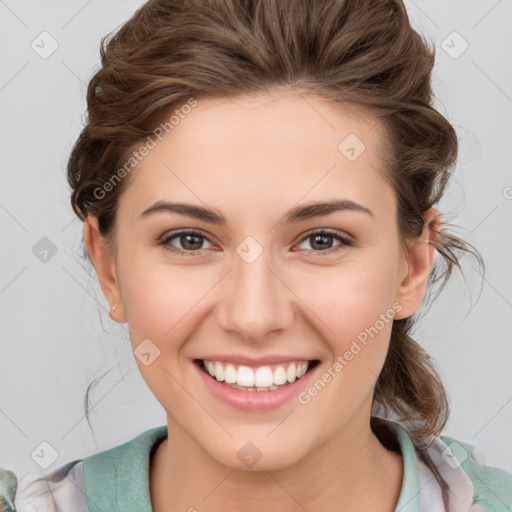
<point>56,336</point>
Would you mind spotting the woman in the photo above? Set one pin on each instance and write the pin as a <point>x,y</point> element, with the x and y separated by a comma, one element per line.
<point>258,183</point>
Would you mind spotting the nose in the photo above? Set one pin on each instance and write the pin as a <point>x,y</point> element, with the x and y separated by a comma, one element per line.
<point>256,300</point>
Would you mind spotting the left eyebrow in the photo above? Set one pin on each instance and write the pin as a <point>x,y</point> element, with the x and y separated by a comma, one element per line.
<point>318,209</point>
<point>296,214</point>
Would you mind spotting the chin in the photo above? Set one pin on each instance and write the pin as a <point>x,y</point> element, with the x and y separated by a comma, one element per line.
<point>255,456</point>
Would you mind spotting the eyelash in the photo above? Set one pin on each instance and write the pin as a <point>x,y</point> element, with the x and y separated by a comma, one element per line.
<point>344,241</point>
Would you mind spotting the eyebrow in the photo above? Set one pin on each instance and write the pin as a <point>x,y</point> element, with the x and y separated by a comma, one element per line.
<point>294,215</point>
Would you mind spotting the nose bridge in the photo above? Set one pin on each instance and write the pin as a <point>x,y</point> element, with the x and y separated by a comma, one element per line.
<point>256,302</point>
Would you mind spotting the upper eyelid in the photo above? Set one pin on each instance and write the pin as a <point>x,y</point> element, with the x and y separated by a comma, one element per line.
<point>171,234</point>
<point>328,231</point>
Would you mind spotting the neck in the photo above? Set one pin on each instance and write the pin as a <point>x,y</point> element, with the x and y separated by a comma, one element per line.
<point>353,470</point>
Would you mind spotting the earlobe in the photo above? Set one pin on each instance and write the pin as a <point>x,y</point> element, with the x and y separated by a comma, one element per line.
<point>420,259</point>
<point>104,264</point>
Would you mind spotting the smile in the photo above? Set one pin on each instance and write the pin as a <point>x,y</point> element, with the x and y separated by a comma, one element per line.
<point>262,378</point>
<point>255,388</point>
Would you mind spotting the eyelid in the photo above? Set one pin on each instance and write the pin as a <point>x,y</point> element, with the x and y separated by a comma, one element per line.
<point>345,239</point>
<point>335,233</point>
<point>173,233</point>
<point>187,231</point>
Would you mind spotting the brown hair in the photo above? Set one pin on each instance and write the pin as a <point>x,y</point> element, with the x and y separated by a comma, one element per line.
<point>359,53</point>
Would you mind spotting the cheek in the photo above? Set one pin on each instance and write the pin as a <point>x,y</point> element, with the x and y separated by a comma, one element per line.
<point>156,292</point>
<point>161,304</point>
<point>352,296</point>
<point>345,298</point>
<point>356,310</point>
<point>158,298</point>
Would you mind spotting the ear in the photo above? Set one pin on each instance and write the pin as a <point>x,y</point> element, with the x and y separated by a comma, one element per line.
<point>419,262</point>
<point>104,263</point>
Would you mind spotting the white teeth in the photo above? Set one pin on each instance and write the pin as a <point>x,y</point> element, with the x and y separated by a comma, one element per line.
<point>263,377</point>
<point>279,376</point>
<point>260,379</point>
<point>245,376</point>
<point>236,386</point>
<point>230,374</point>
<point>219,371</point>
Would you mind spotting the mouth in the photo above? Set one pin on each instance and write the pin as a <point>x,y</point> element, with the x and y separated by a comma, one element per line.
<point>266,378</point>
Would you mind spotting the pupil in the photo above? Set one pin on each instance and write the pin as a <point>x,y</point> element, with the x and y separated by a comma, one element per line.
<point>321,237</point>
<point>187,237</point>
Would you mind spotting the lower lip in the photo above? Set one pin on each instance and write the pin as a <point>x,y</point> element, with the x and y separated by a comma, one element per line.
<point>255,400</point>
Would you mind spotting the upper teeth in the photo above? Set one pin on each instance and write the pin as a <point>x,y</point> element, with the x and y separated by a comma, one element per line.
<point>261,377</point>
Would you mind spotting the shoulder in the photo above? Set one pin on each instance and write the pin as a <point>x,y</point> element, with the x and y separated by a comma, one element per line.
<point>452,473</point>
<point>118,479</point>
<point>492,487</point>
<point>106,480</point>
<point>62,489</point>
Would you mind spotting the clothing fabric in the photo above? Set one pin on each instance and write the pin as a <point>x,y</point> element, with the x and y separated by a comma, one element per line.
<point>117,480</point>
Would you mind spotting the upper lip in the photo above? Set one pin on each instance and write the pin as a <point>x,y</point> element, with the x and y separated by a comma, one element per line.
<point>254,362</point>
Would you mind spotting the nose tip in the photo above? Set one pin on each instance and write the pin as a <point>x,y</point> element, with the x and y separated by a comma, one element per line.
<point>255,303</point>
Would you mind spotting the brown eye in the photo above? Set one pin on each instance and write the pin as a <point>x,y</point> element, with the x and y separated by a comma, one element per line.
<point>321,241</point>
<point>190,242</point>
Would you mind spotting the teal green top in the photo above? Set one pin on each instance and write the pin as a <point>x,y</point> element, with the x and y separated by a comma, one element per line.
<point>109,488</point>
<point>117,480</point>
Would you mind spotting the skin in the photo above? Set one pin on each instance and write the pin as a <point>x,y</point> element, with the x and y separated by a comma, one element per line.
<point>253,158</point>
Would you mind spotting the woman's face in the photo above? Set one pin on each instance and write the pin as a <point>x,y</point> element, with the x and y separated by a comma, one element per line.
<point>253,286</point>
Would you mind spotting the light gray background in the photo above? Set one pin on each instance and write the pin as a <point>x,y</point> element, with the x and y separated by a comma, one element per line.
<point>55,331</point>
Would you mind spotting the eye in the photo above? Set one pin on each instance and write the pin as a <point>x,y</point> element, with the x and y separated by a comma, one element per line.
<point>322,241</point>
<point>190,241</point>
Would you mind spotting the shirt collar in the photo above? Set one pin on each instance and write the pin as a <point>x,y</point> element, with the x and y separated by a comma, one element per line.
<point>118,479</point>
<point>409,499</point>
<point>415,495</point>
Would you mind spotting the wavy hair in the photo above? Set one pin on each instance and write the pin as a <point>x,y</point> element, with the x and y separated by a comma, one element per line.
<point>361,53</point>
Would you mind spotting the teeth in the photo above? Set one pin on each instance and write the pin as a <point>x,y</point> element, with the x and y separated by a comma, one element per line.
<point>236,386</point>
<point>244,376</point>
<point>219,371</point>
<point>229,374</point>
<point>263,378</point>
<point>279,376</point>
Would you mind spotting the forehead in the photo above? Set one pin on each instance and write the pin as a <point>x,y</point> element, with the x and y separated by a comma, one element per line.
<point>268,148</point>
